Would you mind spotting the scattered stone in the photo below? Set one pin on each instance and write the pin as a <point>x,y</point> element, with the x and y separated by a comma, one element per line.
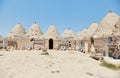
<point>57,71</point>
<point>44,52</point>
<point>52,71</point>
<point>1,54</point>
<point>90,74</point>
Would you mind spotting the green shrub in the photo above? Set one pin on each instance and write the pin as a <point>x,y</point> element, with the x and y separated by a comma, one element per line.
<point>110,66</point>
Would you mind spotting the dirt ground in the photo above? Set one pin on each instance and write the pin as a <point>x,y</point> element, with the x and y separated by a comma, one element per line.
<point>58,64</point>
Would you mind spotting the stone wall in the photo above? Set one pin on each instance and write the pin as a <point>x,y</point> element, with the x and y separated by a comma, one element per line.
<point>100,44</point>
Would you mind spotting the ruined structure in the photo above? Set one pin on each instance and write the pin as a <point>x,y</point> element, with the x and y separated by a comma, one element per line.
<point>105,30</point>
<point>106,26</point>
<point>34,31</point>
<point>51,38</point>
<point>17,32</point>
<point>96,35</point>
<point>114,42</point>
<point>84,37</point>
<point>67,40</point>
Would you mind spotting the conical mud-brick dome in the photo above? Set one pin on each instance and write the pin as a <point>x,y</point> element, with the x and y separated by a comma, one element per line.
<point>82,34</point>
<point>107,25</point>
<point>34,31</point>
<point>87,33</point>
<point>116,30</point>
<point>17,32</point>
<point>92,29</point>
<point>52,32</point>
<point>68,33</point>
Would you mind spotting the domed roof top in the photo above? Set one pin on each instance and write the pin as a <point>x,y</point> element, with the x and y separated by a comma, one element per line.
<point>82,34</point>
<point>52,32</point>
<point>92,29</point>
<point>68,33</point>
<point>110,17</point>
<point>87,33</point>
<point>106,26</point>
<point>34,31</point>
<point>17,31</point>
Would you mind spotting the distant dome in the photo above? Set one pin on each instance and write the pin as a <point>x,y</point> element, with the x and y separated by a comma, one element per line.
<point>82,34</point>
<point>17,31</point>
<point>68,33</point>
<point>92,29</point>
<point>52,32</point>
<point>34,31</point>
<point>87,33</point>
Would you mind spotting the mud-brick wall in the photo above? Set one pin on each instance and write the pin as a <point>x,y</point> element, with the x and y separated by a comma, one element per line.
<point>82,43</point>
<point>56,46</point>
<point>46,43</point>
<point>100,44</point>
<point>22,43</point>
<point>73,44</point>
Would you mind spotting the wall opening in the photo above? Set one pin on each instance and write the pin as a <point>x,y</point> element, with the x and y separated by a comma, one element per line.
<point>51,44</point>
<point>69,44</point>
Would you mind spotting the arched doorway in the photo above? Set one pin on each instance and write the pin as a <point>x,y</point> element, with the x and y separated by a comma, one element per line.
<point>69,44</point>
<point>50,43</point>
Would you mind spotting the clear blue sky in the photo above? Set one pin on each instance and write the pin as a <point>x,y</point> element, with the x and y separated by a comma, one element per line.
<point>74,14</point>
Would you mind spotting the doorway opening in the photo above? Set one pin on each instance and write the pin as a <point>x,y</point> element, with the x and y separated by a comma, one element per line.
<point>50,43</point>
<point>69,44</point>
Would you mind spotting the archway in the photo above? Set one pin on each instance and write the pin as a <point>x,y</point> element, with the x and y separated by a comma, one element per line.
<point>50,43</point>
<point>69,44</point>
